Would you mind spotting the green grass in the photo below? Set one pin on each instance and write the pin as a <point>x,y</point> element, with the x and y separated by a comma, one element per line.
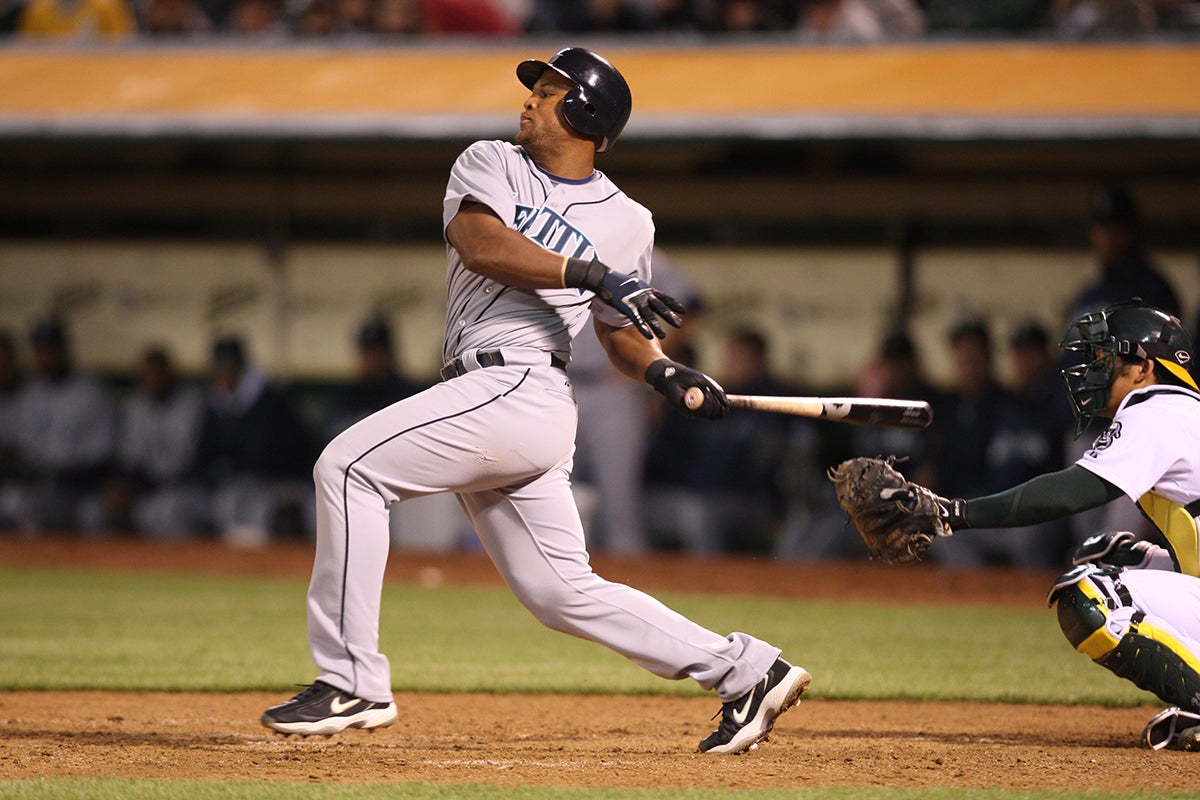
<point>92,789</point>
<point>84,630</point>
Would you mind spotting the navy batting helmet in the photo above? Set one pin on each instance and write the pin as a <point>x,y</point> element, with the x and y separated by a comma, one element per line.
<point>600,103</point>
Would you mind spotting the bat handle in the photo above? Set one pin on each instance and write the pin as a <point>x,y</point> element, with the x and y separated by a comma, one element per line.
<point>693,398</point>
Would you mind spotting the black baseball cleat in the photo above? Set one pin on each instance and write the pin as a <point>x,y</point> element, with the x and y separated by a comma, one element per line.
<point>321,710</point>
<point>747,720</point>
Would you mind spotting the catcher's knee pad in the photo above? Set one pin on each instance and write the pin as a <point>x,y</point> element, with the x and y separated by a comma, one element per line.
<point>1144,654</point>
<point>1083,611</point>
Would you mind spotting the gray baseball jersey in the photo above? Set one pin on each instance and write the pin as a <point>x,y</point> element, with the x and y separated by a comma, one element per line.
<point>581,219</point>
<point>499,432</point>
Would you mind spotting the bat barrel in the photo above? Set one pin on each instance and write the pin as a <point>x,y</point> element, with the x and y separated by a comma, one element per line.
<point>884,411</point>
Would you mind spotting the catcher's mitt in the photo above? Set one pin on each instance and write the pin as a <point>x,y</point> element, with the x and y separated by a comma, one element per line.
<point>897,519</point>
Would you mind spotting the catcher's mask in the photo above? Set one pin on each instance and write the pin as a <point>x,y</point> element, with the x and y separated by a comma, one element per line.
<point>600,103</point>
<point>1132,330</point>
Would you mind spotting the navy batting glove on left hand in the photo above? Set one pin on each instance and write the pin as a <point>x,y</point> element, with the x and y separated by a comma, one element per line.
<point>633,297</point>
<point>672,380</point>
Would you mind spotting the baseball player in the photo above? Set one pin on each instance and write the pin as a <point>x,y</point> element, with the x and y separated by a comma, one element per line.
<point>530,229</point>
<point>1132,606</point>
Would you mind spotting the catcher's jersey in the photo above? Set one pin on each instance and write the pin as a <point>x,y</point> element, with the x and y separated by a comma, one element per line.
<point>1151,451</point>
<point>578,218</point>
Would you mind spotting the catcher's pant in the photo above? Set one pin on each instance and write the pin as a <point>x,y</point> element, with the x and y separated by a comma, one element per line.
<point>502,439</point>
<point>1142,624</point>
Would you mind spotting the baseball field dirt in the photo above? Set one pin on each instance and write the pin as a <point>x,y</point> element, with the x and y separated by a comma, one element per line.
<point>590,740</point>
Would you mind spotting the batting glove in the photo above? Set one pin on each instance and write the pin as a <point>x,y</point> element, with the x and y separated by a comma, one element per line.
<point>672,380</point>
<point>636,299</point>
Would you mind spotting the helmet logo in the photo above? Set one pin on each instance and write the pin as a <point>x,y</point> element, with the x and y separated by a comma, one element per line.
<point>1183,356</point>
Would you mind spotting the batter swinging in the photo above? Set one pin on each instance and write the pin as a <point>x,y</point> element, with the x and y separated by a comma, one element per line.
<point>529,230</point>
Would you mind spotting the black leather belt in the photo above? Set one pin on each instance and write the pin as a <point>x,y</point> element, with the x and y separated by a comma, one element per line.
<point>487,358</point>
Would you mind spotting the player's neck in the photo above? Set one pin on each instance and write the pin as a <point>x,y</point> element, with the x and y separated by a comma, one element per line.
<point>572,163</point>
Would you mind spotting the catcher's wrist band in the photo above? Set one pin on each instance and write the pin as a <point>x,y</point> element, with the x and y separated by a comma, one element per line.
<point>956,514</point>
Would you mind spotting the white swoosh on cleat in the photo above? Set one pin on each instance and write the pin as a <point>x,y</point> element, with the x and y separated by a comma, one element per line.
<point>338,707</point>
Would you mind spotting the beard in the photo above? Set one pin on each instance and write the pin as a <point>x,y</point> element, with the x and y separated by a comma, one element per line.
<point>532,138</point>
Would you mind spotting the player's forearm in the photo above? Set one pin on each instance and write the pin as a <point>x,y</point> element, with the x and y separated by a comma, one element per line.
<point>515,262</point>
<point>1041,499</point>
<point>490,248</point>
<point>630,352</point>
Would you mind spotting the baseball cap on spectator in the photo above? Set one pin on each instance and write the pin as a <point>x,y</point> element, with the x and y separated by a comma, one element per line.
<point>48,331</point>
<point>375,333</point>
<point>229,351</point>
<point>1112,205</point>
<point>971,328</point>
<point>898,345</point>
<point>1029,334</point>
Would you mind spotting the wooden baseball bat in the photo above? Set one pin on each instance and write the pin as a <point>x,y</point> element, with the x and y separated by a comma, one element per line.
<point>860,410</point>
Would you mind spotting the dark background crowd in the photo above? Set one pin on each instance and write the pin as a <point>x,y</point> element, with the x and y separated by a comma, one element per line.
<point>228,454</point>
<point>834,21</point>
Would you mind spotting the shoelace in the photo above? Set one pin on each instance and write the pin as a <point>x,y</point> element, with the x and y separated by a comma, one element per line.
<point>310,689</point>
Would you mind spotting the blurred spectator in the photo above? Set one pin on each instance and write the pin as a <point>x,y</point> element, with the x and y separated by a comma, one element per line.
<point>254,452</point>
<point>714,488</point>
<point>10,16</point>
<point>963,431</point>
<point>466,16</point>
<point>355,16</point>
<point>1177,15</point>
<point>317,18</point>
<point>589,16</point>
<point>77,19</point>
<point>1103,19</point>
<point>896,372</point>
<point>397,17</point>
<point>987,16</point>
<point>65,439</point>
<point>610,446</point>
<point>175,18</point>
<point>754,16</point>
<point>260,19</point>
<point>1115,232</point>
<point>1030,440</point>
<point>155,488</point>
<point>815,527</point>
<point>11,380</point>
<point>615,424</point>
<point>901,19</point>
<point>377,383</point>
<point>684,16</point>
<point>1126,268</point>
<point>860,21</point>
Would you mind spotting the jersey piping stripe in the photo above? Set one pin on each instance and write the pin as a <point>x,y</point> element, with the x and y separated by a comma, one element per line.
<point>590,202</point>
<point>346,505</point>
<point>1141,398</point>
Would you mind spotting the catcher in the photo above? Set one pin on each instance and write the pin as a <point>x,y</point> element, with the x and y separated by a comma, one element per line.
<point>1131,606</point>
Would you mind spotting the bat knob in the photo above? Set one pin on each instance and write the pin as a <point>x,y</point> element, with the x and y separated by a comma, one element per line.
<point>693,398</point>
